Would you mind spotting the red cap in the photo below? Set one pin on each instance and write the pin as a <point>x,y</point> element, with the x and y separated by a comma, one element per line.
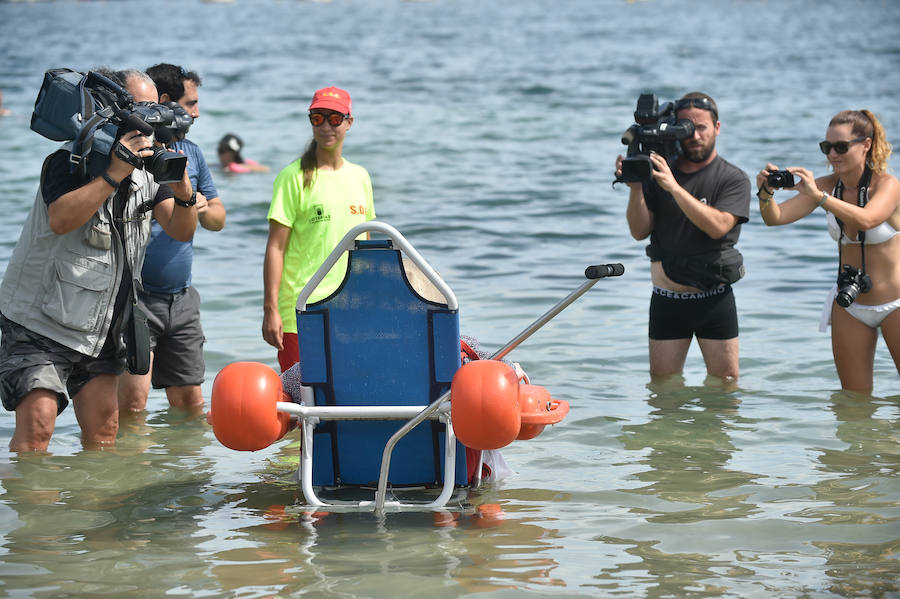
<point>331,98</point>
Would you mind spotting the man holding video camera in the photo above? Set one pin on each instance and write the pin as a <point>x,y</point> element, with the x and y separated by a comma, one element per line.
<point>692,208</point>
<point>68,287</point>
<point>171,302</point>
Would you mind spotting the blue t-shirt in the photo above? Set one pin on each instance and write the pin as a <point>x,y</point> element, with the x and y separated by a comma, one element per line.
<point>167,265</point>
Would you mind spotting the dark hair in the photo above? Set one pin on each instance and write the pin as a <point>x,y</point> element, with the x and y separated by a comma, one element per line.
<point>169,79</point>
<point>309,163</point>
<point>699,100</point>
<point>864,124</point>
<point>232,143</point>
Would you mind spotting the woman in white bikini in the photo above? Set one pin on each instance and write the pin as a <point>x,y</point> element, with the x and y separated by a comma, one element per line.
<point>863,206</point>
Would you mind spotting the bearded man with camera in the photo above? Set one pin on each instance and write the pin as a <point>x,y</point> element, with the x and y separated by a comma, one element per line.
<point>691,204</point>
<point>67,297</point>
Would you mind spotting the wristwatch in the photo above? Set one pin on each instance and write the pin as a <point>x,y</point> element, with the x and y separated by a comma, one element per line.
<point>187,203</point>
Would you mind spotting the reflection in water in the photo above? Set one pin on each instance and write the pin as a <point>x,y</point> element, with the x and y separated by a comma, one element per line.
<point>364,555</point>
<point>863,494</point>
<point>687,449</point>
<point>111,505</point>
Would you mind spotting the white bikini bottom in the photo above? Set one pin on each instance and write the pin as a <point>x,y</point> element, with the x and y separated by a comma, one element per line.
<point>871,316</point>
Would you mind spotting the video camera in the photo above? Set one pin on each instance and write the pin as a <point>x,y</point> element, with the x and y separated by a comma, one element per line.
<point>655,130</point>
<point>92,111</point>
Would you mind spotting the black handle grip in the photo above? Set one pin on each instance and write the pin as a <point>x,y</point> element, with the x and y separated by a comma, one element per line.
<point>599,271</point>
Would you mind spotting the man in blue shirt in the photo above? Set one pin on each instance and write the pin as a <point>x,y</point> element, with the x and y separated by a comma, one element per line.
<point>171,303</point>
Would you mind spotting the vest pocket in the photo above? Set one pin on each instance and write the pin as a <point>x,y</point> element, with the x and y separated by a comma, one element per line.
<point>74,296</point>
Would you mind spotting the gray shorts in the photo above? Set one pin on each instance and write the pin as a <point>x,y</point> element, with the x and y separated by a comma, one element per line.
<point>29,361</point>
<point>176,337</point>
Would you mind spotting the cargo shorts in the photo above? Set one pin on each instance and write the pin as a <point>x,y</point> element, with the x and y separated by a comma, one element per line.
<point>29,361</point>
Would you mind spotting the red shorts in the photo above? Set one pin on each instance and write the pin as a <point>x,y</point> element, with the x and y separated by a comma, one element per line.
<point>290,355</point>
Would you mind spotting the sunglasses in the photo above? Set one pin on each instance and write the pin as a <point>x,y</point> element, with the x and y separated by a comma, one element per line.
<point>841,147</point>
<point>334,118</point>
<point>704,103</point>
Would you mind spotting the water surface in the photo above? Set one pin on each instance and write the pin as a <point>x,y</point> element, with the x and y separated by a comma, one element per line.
<point>490,130</point>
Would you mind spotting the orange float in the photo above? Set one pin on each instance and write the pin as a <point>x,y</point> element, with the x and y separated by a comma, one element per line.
<point>484,404</point>
<point>490,409</point>
<point>538,410</point>
<point>243,412</point>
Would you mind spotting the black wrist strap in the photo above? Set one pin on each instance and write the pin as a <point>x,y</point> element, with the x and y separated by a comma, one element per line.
<point>112,182</point>
<point>187,203</point>
<point>764,190</point>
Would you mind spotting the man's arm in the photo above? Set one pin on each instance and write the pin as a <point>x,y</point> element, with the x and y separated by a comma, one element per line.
<point>639,216</point>
<point>210,209</point>
<point>71,210</point>
<point>712,221</point>
<point>179,222</point>
<point>210,212</point>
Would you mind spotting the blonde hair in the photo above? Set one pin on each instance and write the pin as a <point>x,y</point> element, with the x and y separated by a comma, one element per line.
<point>864,124</point>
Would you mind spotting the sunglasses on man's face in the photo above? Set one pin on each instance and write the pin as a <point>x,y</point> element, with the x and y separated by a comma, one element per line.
<point>334,118</point>
<point>704,103</point>
<point>841,147</point>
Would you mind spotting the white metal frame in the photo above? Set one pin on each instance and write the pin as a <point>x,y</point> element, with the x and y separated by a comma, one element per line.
<point>310,415</point>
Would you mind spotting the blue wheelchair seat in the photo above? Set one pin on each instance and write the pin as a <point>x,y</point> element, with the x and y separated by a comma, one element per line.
<point>376,342</point>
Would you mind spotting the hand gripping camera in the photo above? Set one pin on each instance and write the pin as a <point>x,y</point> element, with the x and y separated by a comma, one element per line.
<point>91,111</point>
<point>655,130</point>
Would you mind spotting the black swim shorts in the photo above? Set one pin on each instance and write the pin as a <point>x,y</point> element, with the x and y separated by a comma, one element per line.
<point>708,314</point>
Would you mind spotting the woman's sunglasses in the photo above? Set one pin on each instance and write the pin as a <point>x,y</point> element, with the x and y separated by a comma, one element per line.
<point>841,147</point>
<point>334,118</point>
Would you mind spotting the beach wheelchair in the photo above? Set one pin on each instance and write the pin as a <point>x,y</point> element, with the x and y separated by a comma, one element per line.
<point>383,375</point>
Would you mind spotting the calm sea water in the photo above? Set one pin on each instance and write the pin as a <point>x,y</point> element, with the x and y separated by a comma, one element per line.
<point>490,130</point>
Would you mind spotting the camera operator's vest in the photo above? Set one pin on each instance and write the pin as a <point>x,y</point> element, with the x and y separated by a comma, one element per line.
<point>64,286</point>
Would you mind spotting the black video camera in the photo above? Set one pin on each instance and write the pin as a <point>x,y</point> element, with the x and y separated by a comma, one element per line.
<point>779,179</point>
<point>166,123</point>
<point>655,130</point>
<point>851,282</point>
<point>91,111</point>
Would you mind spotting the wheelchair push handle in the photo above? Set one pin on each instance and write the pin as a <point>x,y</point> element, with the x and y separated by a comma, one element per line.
<point>600,271</point>
<point>593,274</point>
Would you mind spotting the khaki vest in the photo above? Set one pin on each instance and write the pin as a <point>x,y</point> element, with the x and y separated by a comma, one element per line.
<point>64,286</point>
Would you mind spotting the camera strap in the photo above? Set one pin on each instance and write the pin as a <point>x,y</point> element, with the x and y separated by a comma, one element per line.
<point>84,140</point>
<point>862,198</point>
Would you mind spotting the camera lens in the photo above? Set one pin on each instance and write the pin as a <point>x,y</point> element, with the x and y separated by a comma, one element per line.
<point>847,294</point>
<point>166,166</point>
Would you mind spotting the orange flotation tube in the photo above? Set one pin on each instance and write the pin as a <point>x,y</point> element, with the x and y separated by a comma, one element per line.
<point>490,409</point>
<point>243,411</point>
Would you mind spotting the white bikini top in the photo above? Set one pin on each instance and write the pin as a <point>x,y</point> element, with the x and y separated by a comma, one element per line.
<point>875,235</point>
<point>880,234</point>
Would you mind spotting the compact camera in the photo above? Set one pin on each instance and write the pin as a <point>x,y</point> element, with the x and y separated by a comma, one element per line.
<point>655,130</point>
<point>851,282</point>
<point>779,179</point>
